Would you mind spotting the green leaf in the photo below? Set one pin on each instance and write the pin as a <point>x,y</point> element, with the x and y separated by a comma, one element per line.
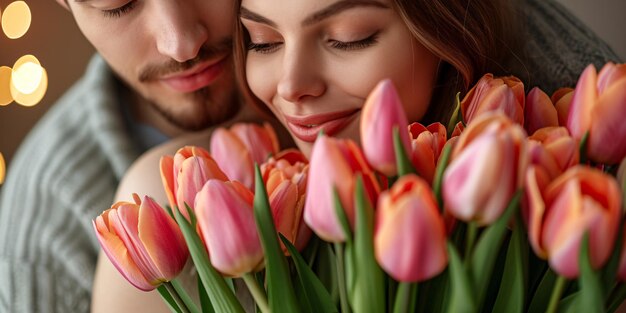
<point>369,288</point>
<point>438,180</point>
<point>280,291</point>
<point>167,298</point>
<point>316,293</point>
<point>541,298</point>
<point>569,303</point>
<point>406,298</point>
<point>456,115</point>
<point>511,296</point>
<point>591,298</point>
<point>182,293</point>
<point>402,160</point>
<point>341,216</point>
<point>486,251</point>
<point>222,297</point>
<point>462,299</point>
<point>205,302</point>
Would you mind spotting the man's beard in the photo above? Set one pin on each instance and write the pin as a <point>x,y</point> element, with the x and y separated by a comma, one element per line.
<point>205,112</point>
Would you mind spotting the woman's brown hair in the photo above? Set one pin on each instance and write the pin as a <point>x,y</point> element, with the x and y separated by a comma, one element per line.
<point>471,37</point>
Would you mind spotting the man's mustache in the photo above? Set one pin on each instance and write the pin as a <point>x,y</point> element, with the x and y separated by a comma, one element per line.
<point>153,71</point>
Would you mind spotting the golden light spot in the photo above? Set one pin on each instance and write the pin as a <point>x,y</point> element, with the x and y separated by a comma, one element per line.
<point>33,98</point>
<point>27,77</point>
<point>2,168</point>
<point>16,19</point>
<point>5,85</point>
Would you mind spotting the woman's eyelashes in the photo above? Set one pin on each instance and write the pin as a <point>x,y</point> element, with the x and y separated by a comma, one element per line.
<point>269,47</point>
<point>120,11</point>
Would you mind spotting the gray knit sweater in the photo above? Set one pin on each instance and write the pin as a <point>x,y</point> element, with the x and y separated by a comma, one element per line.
<point>68,168</point>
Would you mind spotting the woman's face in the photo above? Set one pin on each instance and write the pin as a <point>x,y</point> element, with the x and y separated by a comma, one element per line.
<point>313,62</point>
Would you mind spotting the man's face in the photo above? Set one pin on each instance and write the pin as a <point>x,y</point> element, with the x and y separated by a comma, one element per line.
<point>176,54</point>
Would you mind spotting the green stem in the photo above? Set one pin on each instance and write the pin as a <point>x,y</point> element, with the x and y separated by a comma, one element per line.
<point>181,304</point>
<point>182,293</point>
<point>405,298</point>
<point>341,278</point>
<point>257,292</point>
<point>472,229</point>
<point>556,294</point>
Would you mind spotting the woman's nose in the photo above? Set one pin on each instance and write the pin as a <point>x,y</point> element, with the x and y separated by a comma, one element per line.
<point>300,77</point>
<point>180,32</point>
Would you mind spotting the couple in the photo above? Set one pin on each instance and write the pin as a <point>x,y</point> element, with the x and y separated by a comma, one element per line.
<point>166,68</point>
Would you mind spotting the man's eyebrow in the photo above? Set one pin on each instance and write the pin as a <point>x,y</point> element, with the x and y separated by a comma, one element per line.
<point>339,7</point>
<point>322,14</point>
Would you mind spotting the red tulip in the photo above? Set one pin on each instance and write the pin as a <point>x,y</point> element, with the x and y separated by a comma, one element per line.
<point>185,174</point>
<point>504,94</point>
<point>226,224</point>
<point>485,169</point>
<point>285,177</point>
<point>581,200</point>
<point>598,107</point>
<point>381,113</point>
<point>539,112</point>
<point>335,164</point>
<point>410,235</point>
<point>427,144</point>
<point>142,241</point>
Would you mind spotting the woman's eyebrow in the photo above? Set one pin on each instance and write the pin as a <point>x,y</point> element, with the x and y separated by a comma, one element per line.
<point>320,15</point>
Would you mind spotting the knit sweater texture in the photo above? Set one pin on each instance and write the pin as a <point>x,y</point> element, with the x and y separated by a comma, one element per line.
<point>67,169</point>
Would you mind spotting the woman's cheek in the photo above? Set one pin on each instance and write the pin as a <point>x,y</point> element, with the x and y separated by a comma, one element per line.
<point>260,79</point>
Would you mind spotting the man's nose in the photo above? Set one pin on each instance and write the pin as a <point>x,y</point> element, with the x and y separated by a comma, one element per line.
<point>179,31</point>
<point>300,77</point>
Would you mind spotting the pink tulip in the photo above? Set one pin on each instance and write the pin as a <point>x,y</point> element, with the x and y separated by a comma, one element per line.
<point>598,107</point>
<point>237,149</point>
<point>581,200</point>
<point>504,94</point>
<point>142,241</point>
<point>485,169</point>
<point>381,113</point>
<point>539,112</point>
<point>285,177</point>
<point>427,144</point>
<point>185,174</point>
<point>553,149</point>
<point>335,164</point>
<point>226,224</point>
<point>410,235</point>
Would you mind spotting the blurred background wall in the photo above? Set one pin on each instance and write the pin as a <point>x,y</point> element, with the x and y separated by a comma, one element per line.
<point>56,41</point>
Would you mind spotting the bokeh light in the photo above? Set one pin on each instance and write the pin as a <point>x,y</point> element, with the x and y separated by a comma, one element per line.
<point>16,19</point>
<point>29,81</point>
<point>5,85</point>
<point>2,168</point>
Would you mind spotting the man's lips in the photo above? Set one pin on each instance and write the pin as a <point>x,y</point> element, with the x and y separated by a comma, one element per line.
<point>196,77</point>
<point>306,128</point>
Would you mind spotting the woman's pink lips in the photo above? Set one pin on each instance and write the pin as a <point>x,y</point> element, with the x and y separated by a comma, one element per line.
<point>308,127</point>
<point>196,78</point>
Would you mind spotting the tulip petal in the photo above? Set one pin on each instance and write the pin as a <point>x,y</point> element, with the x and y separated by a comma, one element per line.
<point>607,125</point>
<point>583,100</point>
<point>540,112</point>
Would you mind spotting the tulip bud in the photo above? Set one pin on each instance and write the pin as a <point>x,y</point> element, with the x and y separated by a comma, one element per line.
<point>185,174</point>
<point>540,112</point>
<point>226,223</point>
<point>410,235</point>
<point>485,170</point>
<point>142,241</point>
<point>504,94</point>
<point>581,200</point>
<point>334,165</point>
<point>427,144</point>
<point>381,113</point>
<point>553,149</point>
<point>562,99</point>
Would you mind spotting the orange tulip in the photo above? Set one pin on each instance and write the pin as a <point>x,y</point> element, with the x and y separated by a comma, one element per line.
<point>485,169</point>
<point>581,200</point>
<point>226,224</point>
<point>410,235</point>
<point>185,174</point>
<point>237,149</point>
<point>539,112</point>
<point>285,177</point>
<point>562,99</point>
<point>381,113</point>
<point>553,149</point>
<point>504,94</point>
<point>427,144</point>
<point>598,107</point>
<point>142,241</point>
<point>335,164</point>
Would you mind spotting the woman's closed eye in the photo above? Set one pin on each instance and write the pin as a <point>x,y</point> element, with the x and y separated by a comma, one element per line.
<point>120,11</point>
<point>354,45</point>
<point>264,47</point>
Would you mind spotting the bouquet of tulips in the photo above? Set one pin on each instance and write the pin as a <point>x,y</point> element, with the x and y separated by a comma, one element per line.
<point>516,205</point>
